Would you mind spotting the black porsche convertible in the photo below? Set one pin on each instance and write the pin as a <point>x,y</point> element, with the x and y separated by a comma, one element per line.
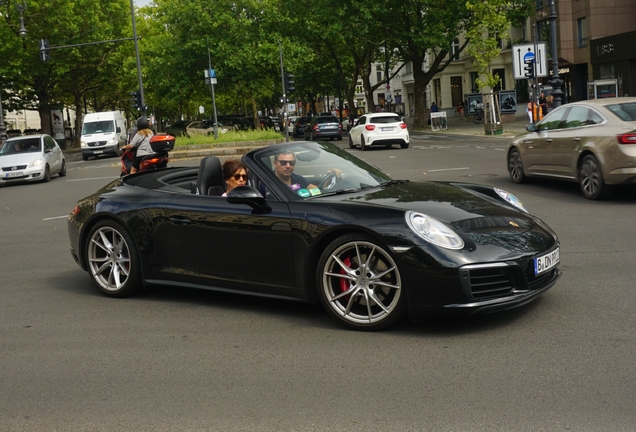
<point>369,248</point>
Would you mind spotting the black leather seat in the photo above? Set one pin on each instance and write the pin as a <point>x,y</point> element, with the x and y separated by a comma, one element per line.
<point>210,177</point>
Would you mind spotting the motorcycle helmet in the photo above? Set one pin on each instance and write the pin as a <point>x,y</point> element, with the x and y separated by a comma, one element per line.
<point>142,123</point>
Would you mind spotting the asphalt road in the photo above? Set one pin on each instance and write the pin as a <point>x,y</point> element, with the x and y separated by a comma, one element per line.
<point>185,360</point>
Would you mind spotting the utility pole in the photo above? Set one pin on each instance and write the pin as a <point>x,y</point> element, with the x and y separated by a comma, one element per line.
<point>141,84</point>
<point>556,81</point>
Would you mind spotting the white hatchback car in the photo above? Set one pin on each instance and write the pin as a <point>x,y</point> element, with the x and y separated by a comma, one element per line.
<point>379,129</point>
<point>30,158</point>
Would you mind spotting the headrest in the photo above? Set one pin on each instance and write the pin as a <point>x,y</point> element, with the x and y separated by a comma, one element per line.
<point>210,174</point>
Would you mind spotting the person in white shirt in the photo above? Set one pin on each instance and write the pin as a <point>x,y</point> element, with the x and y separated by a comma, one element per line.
<point>140,142</point>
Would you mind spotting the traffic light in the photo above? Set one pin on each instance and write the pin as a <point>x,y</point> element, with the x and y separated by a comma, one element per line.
<point>529,69</point>
<point>45,54</point>
<point>135,99</point>
<point>290,86</point>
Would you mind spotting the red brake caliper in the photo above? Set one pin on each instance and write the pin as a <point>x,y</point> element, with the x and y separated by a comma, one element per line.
<point>345,284</point>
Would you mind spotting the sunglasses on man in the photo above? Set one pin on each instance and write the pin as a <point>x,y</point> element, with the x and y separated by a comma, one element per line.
<point>285,162</point>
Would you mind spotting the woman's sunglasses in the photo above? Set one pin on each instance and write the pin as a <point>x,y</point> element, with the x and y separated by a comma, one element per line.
<point>237,177</point>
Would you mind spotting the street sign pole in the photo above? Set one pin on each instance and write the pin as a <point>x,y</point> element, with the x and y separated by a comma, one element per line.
<point>212,82</point>
<point>282,77</point>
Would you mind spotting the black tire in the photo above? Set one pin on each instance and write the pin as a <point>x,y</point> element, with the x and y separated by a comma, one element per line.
<point>515,167</point>
<point>339,138</point>
<point>112,260</point>
<point>62,172</point>
<point>47,174</point>
<point>359,283</point>
<point>591,179</point>
<point>351,144</point>
<point>363,146</point>
<point>404,145</point>
<point>85,157</point>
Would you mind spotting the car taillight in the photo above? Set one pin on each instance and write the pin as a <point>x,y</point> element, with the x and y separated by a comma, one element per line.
<point>369,127</point>
<point>402,125</point>
<point>316,127</point>
<point>340,126</point>
<point>628,138</point>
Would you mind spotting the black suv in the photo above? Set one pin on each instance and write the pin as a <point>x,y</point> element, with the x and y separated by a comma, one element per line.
<point>324,127</point>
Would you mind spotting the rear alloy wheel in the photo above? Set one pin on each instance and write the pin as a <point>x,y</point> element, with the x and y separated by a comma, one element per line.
<point>351,144</point>
<point>515,167</point>
<point>363,146</point>
<point>112,260</point>
<point>47,174</point>
<point>591,179</point>
<point>62,172</point>
<point>360,284</point>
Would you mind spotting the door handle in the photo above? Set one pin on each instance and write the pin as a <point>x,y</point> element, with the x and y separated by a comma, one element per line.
<point>576,139</point>
<point>179,220</point>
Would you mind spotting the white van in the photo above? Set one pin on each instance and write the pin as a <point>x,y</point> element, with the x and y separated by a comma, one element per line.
<point>103,133</point>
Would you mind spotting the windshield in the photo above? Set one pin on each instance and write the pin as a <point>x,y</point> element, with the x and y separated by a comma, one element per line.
<point>319,169</point>
<point>23,145</point>
<point>103,126</point>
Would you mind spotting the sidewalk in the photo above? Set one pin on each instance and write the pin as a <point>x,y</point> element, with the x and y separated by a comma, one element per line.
<point>465,126</point>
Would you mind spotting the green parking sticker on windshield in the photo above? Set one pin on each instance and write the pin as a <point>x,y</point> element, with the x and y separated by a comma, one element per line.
<point>303,193</point>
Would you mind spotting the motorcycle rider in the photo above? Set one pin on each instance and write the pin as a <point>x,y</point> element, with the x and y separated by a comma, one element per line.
<point>140,143</point>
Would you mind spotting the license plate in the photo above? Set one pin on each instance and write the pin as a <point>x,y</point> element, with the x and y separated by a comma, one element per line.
<point>98,151</point>
<point>330,127</point>
<point>546,262</point>
<point>13,174</point>
<point>387,129</point>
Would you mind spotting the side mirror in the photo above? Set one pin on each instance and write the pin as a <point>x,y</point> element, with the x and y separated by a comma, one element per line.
<point>531,127</point>
<point>250,196</point>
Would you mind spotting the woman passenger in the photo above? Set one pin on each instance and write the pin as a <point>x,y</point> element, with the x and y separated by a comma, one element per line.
<point>234,173</point>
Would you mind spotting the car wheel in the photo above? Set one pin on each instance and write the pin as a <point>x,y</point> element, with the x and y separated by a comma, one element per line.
<point>339,138</point>
<point>112,260</point>
<point>389,146</point>
<point>591,179</point>
<point>62,172</point>
<point>47,174</point>
<point>351,144</point>
<point>85,157</point>
<point>404,145</point>
<point>360,284</point>
<point>515,167</point>
<point>363,146</point>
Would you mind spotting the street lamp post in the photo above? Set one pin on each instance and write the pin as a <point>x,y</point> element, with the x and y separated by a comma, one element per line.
<point>556,82</point>
<point>22,32</point>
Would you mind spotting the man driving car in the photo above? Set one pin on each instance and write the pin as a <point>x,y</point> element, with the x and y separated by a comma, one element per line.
<point>284,163</point>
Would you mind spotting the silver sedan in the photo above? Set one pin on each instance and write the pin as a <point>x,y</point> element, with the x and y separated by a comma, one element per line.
<point>590,142</point>
<point>31,158</point>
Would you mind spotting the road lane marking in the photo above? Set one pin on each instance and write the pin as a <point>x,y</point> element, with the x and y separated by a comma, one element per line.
<point>449,169</point>
<point>93,178</point>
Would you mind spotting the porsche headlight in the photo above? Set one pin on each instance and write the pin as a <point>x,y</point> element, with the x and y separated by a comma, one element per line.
<point>37,162</point>
<point>433,231</point>
<point>511,199</point>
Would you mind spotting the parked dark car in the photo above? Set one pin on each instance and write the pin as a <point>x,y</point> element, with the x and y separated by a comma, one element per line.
<point>300,126</point>
<point>178,128</point>
<point>271,122</point>
<point>369,248</point>
<point>323,127</point>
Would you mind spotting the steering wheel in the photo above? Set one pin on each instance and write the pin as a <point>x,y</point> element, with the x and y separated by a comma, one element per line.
<point>329,181</point>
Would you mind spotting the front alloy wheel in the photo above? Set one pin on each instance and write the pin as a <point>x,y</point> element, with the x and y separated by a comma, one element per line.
<point>112,260</point>
<point>360,284</point>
